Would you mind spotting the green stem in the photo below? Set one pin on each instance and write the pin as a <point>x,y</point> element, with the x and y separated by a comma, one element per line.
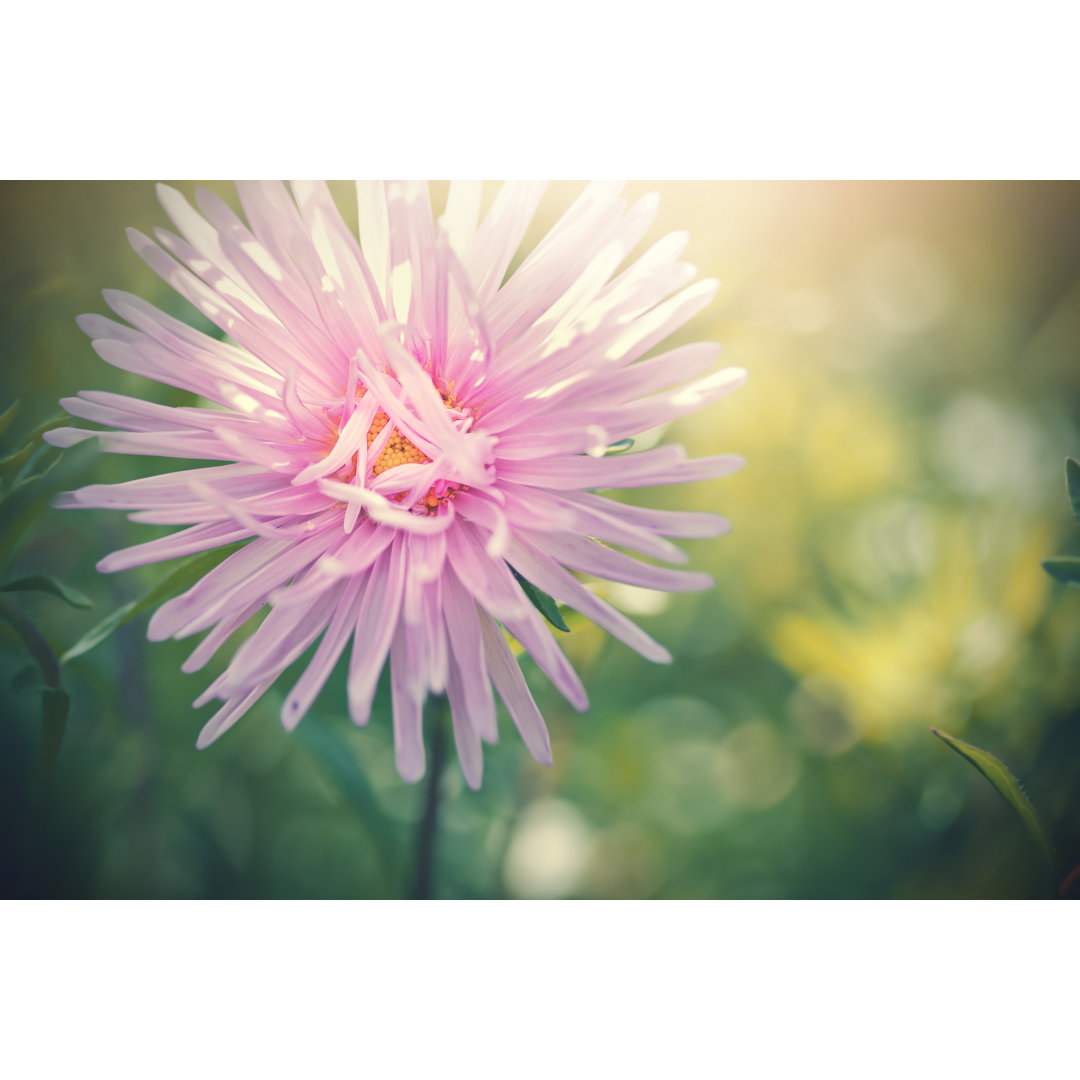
<point>39,648</point>
<point>425,843</point>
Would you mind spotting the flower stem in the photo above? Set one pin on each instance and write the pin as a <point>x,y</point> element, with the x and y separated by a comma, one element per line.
<point>425,842</point>
<point>38,647</point>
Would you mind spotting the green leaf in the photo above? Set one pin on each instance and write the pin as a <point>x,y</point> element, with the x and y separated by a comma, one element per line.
<point>50,463</point>
<point>34,641</point>
<point>14,462</point>
<point>8,416</point>
<point>187,573</point>
<point>1008,787</point>
<point>1072,480</point>
<point>12,533</point>
<point>54,421</point>
<point>542,602</point>
<point>44,583</point>
<point>620,447</point>
<point>54,712</point>
<point>1063,568</point>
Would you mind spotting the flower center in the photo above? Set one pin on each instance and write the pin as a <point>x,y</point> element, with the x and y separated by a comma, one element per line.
<point>398,450</point>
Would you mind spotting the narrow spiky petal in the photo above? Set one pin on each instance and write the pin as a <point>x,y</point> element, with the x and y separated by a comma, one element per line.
<point>402,434</point>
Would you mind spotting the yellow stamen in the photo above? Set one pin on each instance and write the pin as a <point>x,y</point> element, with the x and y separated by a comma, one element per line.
<point>398,449</point>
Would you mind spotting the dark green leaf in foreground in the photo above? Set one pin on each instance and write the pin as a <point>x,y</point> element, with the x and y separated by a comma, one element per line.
<point>8,416</point>
<point>187,573</point>
<point>1008,787</point>
<point>1072,479</point>
<point>44,583</point>
<point>542,602</point>
<point>1063,568</point>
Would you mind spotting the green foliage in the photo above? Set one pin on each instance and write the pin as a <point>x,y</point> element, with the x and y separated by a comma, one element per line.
<point>22,502</point>
<point>7,416</point>
<point>885,554</point>
<point>1072,480</point>
<point>17,526</point>
<point>45,583</point>
<point>11,464</point>
<point>542,602</point>
<point>34,641</point>
<point>54,699</point>
<point>1008,787</point>
<point>184,575</point>
<point>1066,568</point>
<point>1063,568</point>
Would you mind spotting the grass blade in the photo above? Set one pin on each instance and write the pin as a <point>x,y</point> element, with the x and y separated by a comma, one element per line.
<point>8,416</point>
<point>1008,787</point>
<point>14,462</point>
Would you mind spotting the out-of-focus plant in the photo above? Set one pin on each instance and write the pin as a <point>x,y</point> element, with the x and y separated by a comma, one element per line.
<point>24,496</point>
<point>1010,789</point>
<point>885,568</point>
<point>1066,568</point>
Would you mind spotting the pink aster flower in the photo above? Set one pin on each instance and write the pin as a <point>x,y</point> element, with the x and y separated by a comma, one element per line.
<point>400,427</point>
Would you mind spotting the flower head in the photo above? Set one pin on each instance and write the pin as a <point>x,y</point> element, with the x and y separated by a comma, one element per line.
<point>405,436</point>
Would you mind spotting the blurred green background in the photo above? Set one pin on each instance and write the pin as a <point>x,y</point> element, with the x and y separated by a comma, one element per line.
<point>914,389</point>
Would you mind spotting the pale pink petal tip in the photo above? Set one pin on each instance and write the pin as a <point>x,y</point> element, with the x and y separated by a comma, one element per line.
<point>385,424</point>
